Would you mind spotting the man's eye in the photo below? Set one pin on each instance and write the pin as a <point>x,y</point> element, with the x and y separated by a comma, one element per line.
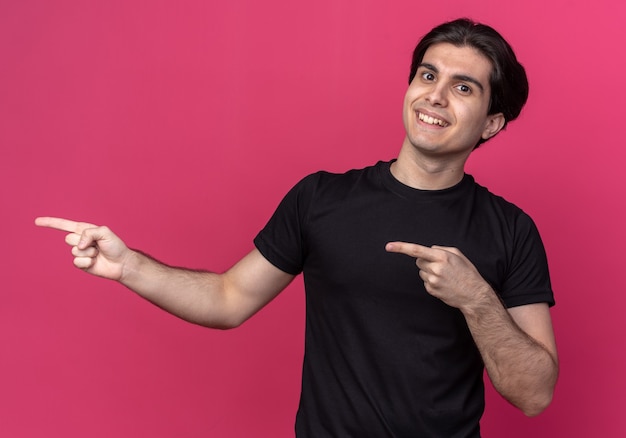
<point>464,89</point>
<point>428,76</point>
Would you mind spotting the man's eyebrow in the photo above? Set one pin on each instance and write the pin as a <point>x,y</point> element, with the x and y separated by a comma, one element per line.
<point>458,77</point>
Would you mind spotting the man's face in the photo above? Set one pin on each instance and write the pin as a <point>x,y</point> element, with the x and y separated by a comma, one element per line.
<point>446,104</point>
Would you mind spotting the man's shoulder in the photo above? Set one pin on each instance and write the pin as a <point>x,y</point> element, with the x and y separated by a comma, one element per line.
<point>323,180</point>
<point>499,208</point>
<point>487,195</point>
<point>352,173</point>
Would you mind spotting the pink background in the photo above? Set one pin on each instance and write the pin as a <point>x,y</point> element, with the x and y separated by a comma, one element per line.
<point>182,124</point>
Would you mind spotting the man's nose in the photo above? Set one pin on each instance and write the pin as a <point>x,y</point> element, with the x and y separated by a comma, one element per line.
<point>438,94</point>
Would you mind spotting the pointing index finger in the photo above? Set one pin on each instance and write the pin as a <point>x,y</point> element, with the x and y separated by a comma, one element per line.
<point>411,249</point>
<point>63,224</point>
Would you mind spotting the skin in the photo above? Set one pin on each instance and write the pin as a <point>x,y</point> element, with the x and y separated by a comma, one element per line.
<point>452,85</point>
<point>433,157</point>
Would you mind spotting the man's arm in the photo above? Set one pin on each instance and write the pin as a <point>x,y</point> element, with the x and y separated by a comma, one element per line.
<point>518,349</point>
<point>209,299</point>
<point>517,346</point>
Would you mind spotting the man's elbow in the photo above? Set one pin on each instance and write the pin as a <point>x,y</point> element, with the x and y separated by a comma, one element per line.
<point>541,398</point>
<point>223,323</point>
<point>537,405</point>
<point>228,318</point>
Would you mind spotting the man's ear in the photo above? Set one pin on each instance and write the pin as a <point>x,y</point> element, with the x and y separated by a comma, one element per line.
<point>493,125</point>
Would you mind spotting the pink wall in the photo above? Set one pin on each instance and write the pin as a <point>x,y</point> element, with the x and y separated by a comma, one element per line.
<point>182,124</point>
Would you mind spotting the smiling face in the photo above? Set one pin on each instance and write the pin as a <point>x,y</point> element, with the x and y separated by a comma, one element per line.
<point>446,104</point>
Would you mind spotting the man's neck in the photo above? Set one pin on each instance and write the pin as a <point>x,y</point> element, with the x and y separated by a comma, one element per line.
<point>427,172</point>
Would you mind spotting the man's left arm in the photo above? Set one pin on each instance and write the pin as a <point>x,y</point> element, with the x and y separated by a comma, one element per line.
<point>517,345</point>
<point>518,349</point>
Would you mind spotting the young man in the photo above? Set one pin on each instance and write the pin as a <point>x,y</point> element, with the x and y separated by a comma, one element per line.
<point>395,345</point>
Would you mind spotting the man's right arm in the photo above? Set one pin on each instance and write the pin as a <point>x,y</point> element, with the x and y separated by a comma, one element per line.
<point>209,299</point>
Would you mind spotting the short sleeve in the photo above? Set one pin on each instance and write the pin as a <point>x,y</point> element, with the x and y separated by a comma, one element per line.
<point>282,240</point>
<point>528,279</point>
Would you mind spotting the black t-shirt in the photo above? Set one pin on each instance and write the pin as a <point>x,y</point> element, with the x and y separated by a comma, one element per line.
<point>383,358</point>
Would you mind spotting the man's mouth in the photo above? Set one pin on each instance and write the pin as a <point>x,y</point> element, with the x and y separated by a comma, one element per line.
<point>432,120</point>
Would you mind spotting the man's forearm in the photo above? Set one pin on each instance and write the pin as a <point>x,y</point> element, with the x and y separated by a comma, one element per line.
<point>194,296</point>
<point>522,369</point>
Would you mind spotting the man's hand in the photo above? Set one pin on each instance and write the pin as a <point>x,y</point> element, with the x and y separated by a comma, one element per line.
<point>96,250</point>
<point>446,272</point>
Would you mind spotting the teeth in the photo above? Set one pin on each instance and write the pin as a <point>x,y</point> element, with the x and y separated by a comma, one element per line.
<point>431,120</point>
